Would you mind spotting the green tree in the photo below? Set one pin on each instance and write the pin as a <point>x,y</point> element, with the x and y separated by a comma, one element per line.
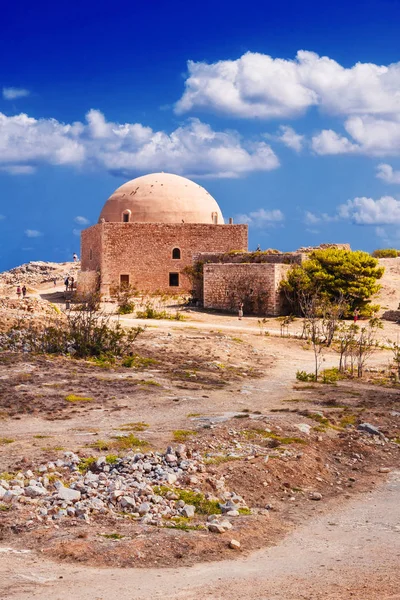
<point>333,275</point>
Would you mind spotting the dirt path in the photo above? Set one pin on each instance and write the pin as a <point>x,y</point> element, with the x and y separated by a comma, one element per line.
<point>349,552</point>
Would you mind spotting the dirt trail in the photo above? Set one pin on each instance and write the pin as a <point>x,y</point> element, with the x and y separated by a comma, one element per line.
<point>349,552</point>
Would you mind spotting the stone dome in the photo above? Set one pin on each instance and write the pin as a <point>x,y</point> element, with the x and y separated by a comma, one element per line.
<point>161,198</point>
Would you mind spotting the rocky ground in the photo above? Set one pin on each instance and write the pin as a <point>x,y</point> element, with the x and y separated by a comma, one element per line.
<point>205,448</point>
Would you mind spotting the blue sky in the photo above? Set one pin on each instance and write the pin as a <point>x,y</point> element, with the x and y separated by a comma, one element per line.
<point>289,115</point>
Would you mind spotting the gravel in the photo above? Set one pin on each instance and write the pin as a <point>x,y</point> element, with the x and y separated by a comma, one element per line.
<point>140,485</point>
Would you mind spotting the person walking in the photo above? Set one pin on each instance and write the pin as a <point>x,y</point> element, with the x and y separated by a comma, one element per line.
<point>240,314</point>
<point>24,291</point>
<point>75,257</point>
<point>55,281</point>
<point>71,284</point>
<point>356,315</point>
<point>19,291</point>
<point>66,283</point>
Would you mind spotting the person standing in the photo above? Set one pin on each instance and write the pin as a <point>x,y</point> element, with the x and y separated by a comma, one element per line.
<point>356,315</point>
<point>55,281</point>
<point>75,257</point>
<point>71,284</point>
<point>66,283</point>
<point>23,291</point>
<point>240,314</point>
<point>19,291</point>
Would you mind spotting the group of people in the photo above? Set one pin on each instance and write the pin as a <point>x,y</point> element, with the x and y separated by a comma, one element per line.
<point>21,290</point>
<point>69,283</point>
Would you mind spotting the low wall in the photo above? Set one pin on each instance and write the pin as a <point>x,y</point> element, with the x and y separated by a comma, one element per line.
<point>254,284</point>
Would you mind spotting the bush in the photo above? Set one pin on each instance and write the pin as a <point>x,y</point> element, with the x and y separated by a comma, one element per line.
<point>330,375</point>
<point>385,253</point>
<point>83,333</point>
<point>126,309</point>
<point>304,376</point>
<point>150,312</point>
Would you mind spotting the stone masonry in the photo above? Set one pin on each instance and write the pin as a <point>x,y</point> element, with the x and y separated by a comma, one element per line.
<point>141,254</point>
<point>254,284</point>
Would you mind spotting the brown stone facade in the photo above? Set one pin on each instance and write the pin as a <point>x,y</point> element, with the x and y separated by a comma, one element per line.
<point>142,253</point>
<point>254,284</point>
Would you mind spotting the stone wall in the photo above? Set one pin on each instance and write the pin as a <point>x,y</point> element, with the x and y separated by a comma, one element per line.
<point>143,251</point>
<point>254,284</point>
<point>249,257</point>
<point>91,248</point>
<point>88,282</point>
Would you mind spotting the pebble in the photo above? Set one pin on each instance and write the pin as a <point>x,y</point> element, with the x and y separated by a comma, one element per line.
<point>234,545</point>
<point>315,496</point>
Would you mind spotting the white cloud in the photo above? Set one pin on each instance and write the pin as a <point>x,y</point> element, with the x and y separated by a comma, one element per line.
<point>366,211</point>
<point>387,173</point>
<point>257,85</point>
<point>312,219</point>
<point>371,136</point>
<point>12,93</point>
<point>329,142</point>
<point>82,220</point>
<point>76,232</point>
<point>290,138</point>
<point>125,149</point>
<point>32,233</point>
<point>261,218</point>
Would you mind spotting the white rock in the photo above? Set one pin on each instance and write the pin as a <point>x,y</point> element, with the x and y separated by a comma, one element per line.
<point>304,428</point>
<point>188,511</point>
<point>67,494</point>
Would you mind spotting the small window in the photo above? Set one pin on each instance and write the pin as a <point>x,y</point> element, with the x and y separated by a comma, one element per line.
<point>124,280</point>
<point>176,253</point>
<point>90,254</point>
<point>174,279</point>
<point>126,217</point>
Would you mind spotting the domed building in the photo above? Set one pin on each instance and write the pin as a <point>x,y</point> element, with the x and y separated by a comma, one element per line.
<point>149,230</point>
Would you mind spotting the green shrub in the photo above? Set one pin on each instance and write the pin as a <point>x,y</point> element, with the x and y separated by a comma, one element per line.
<point>181,435</point>
<point>304,376</point>
<point>385,253</point>
<point>126,309</point>
<point>136,361</point>
<point>82,333</point>
<point>330,375</point>
<point>150,312</point>
<point>74,398</point>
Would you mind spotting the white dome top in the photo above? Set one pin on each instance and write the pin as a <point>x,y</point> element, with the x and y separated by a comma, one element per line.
<point>161,198</point>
